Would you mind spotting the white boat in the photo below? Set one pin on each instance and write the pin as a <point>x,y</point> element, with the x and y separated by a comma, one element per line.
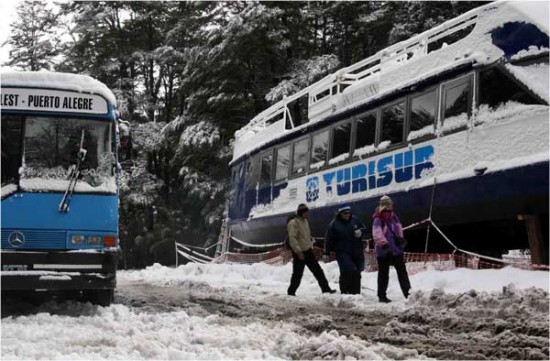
<point>452,123</point>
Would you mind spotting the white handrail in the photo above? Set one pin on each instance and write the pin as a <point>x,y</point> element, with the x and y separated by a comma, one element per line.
<point>363,69</point>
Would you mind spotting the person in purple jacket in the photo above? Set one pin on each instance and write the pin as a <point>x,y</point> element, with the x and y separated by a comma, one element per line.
<point>386,231</point>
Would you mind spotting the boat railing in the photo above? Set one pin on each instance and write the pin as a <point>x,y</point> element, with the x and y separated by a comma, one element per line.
<point>322,93</point>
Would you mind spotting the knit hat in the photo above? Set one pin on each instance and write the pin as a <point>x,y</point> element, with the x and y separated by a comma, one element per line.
<point>344,208</point>
<point>302,208</point>
<point>385,201</point>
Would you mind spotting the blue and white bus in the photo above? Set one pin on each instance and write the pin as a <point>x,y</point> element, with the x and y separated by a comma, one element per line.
<point>451,123</point>
<point>59,185</point>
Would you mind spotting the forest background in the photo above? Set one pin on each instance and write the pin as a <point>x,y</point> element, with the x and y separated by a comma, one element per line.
<point>187,75</point>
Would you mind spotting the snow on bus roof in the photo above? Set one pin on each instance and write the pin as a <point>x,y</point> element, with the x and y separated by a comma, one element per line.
<point>62,81</point>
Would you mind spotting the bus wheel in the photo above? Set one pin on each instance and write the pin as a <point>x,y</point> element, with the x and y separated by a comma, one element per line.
<point>101,297</point>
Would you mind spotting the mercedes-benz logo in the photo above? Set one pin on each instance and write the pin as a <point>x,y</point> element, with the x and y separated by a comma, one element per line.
<point>16,239</point>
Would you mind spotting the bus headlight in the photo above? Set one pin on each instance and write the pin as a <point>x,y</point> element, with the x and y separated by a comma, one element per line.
<point>109,241</point>
<point>77,239</point>
<point>94,240</point>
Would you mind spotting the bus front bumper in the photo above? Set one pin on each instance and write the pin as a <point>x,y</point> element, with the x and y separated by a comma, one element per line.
<point>72,270</point>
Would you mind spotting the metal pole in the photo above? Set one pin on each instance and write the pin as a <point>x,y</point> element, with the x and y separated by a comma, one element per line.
<point>176,249</point>
<point>430,216</point>
<point>125,250</point>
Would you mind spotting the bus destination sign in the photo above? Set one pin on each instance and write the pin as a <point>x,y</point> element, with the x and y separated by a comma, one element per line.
<point>52,101</point>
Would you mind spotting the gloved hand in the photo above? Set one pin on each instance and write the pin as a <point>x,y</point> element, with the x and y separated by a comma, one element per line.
<point>326,258</point>
<point>382,243</point>
<point>357,233</point>
<point>385,247</point>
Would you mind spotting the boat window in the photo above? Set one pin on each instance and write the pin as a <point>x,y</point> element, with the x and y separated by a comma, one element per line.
<point>341,136</point>
<point>393,120</point>
<point>234,175</point>
<point>265,172</point>
<point>365,133</point>
<point>299,158</point>
<point>298,110</point>
<point>516,36</point>
<point>283,161</point>
<point>456,98</point>
<point>319,150</point>
<point>495,88</point>
<point>252,172</point>
<point>12,127</point>
<point>423,110</point>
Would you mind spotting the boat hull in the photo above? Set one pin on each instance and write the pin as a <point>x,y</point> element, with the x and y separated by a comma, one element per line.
<point>495,198</point>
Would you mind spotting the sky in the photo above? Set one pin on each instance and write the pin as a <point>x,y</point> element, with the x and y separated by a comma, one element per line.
<point>80,331</point>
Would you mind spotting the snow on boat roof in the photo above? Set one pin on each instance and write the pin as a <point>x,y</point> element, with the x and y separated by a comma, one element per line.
<point>394,68</point>
<point>62,81</point>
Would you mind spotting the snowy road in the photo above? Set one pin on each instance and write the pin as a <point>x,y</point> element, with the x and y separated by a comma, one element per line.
<point>235,312</point>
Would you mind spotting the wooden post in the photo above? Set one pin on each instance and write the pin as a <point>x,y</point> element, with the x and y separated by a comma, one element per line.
<point>535,237</point>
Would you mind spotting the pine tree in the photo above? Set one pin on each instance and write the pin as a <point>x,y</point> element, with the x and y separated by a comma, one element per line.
<point>33,37</point>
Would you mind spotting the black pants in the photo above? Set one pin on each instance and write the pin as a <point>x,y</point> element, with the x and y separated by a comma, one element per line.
<point>384,274</point>
<point>351,267</point>
<point>298,271</point>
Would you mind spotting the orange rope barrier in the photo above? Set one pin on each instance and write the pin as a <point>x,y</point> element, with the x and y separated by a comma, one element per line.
<point>416,262</point>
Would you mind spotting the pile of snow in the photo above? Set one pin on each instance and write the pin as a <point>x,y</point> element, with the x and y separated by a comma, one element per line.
<point>79,331</point>
<point>84,332</point>
<point>267,279</point>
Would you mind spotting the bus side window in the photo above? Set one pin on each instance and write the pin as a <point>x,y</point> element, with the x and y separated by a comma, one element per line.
<point>393,121</point>
<point>319,150</point>
<point>457,97</point>
<point>283,163</point>
<point>299,158</point>
<point>12,127</point>
<point>341,141</point>
<point>365,134</point>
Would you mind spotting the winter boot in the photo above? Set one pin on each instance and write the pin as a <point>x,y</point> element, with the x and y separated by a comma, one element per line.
<point>384,299</point>
<point>356,284</point>
<point>344,285</point>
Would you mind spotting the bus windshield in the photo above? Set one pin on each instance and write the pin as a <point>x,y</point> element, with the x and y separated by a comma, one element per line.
<point>51,147</point>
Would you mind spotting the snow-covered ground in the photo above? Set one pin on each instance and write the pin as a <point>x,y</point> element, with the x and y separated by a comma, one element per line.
<point>223,311</point>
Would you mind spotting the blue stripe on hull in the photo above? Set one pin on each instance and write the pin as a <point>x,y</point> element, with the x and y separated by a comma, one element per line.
<point>495,196</point>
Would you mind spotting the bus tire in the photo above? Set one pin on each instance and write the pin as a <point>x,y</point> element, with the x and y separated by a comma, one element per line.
<point>101,297</point>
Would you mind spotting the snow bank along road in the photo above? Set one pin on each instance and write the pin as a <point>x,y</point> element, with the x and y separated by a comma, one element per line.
<point>241,311</point>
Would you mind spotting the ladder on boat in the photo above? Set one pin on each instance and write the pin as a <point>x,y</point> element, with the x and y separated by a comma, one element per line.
<point>223,239</point>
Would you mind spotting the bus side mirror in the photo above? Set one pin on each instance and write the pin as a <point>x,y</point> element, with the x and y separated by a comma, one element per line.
<point>125,140</point>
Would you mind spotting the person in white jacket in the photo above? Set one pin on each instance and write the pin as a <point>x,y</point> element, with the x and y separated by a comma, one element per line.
<point>299,235</point>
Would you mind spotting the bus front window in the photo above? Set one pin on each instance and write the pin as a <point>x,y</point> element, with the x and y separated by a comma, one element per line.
<point>52,147</point>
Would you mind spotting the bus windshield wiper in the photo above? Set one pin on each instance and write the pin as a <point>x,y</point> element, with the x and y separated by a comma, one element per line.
<point>73,177</point>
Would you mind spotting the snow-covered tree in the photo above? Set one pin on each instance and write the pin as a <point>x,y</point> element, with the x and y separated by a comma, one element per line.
<point>33,40</point>
<point>304,73</point>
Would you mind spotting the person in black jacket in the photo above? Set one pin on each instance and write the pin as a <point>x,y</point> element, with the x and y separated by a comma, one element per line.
<point>345,239</point>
